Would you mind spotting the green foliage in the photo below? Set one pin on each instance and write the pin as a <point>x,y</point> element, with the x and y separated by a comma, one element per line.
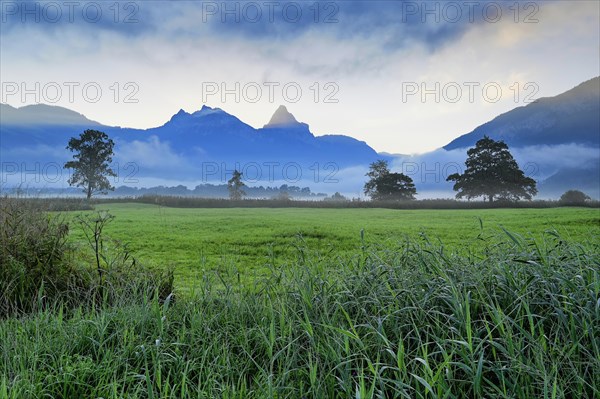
<point>235,186</point>
<point>384,185</point>
<point>38,267</point>
<point>574,197</point>
<point>33,249</point>
<point>54,204</point>
<point>91,166</point>
<point>518,320</point>
<point>492,173</point>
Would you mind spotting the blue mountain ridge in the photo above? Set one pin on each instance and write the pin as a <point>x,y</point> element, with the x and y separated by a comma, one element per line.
<point>570,117</point>
<point>209,135</point>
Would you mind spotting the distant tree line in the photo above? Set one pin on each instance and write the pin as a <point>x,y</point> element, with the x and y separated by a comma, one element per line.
<point>491,173</point>
<point>218,191</point>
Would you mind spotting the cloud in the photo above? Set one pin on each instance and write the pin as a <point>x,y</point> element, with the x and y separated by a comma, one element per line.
<point>397,22</point>
<point>152,157</point>
<point>36,152</point>
<point>124,18</point>
<point>550,159</point>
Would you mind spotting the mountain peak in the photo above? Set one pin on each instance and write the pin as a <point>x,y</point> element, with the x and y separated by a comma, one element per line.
<point>206,110</point>
<point>282,118</point>
<point>179,116</point>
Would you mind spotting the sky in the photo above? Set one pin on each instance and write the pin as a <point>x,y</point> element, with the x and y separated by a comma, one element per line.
<point>406,77</point>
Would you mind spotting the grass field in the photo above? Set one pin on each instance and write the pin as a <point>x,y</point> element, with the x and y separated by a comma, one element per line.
<point>467,310</point>
<point>243,244</point>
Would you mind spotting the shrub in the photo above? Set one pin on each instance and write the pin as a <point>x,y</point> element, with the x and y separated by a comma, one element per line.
<point>32,254</point>
<point>37,267</point>
<point>574,197</point>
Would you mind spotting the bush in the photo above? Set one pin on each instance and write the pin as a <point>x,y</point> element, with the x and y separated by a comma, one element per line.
<point>32,255</point>
<point>37,267</point>
<point>574,197</point>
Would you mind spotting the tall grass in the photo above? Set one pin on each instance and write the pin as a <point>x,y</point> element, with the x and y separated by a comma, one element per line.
<point>518,319</point>
<point>50,204</point>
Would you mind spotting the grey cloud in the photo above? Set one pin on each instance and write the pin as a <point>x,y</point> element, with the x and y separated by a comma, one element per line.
<point>396,24</point>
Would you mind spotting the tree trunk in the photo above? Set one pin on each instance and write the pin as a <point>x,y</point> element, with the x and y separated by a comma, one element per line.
<point>89,192</point>
<point>491,198</point>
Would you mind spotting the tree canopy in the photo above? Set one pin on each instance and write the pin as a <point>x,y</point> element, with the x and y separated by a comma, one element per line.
<point>492,173</point>
<point>91,165</point>
<point>386,185</point>
<point>574,197</point>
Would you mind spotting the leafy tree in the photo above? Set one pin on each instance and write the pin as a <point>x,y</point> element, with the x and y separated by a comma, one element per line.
<point>574,197</point>
<point>386,185</point>
<point>235,186</point>
<point>93,155</point>
<point>492,172</point>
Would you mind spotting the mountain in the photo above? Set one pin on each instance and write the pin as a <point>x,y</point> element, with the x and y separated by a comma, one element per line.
<point>213,135</point>
<point>204,145</point>
<point>39,125</point>
<point>557,137</point>
<point>570,117</point>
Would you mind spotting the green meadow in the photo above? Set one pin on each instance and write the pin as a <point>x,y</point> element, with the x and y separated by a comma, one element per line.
<point>243,244</point>
<point>299,303</point>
